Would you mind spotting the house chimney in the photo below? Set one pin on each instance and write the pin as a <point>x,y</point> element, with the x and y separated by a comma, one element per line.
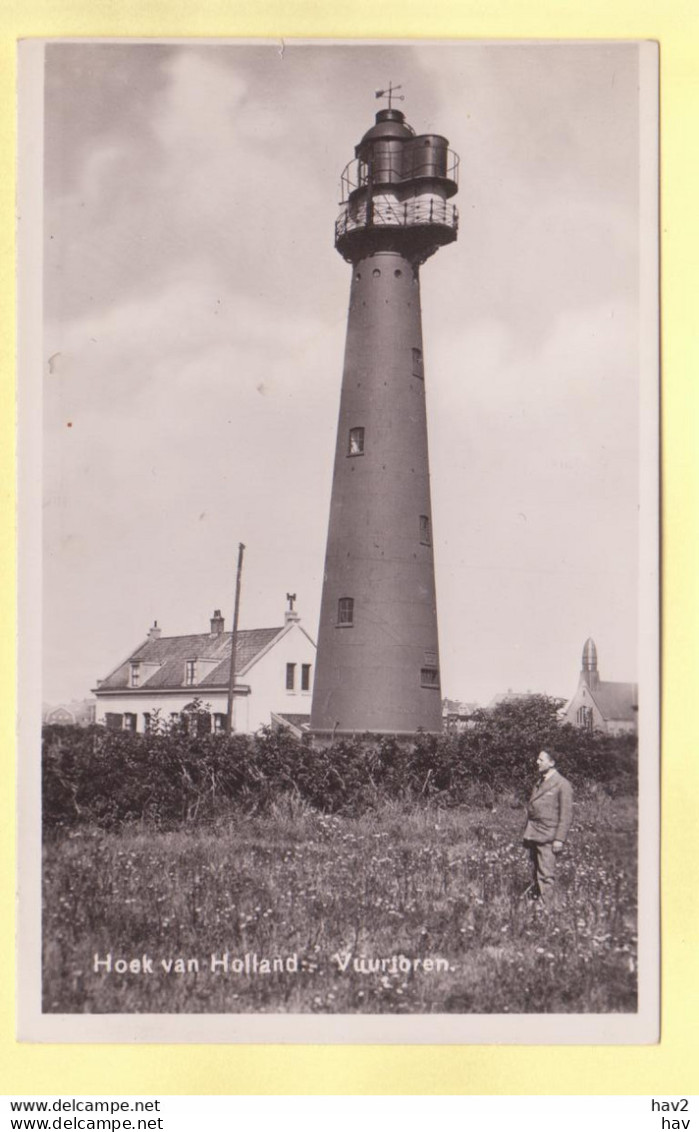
<point>154,632</point>
<point>217,622</point>
<point>290,614</point>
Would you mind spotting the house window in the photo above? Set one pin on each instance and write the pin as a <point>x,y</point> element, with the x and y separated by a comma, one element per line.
<point>305,677</point>
<point>345,611</point>
<point>135,675</point>
<point>356,442</point>
<point>418,370</point>
<point>429,677</point>
<point>114,720</point>
<point>196,722</point>
<point>290,677</point>
<point>129,721</point>
<point>219,723</point>
<point>146,721</point>
<point>425,530</point>
<point>190,671</point>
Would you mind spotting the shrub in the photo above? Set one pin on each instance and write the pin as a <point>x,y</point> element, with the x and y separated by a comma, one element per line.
<point>170,776</point>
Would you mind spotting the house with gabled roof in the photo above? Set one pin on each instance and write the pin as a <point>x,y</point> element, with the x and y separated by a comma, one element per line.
<point>166,677</point>
<point>601,705</point>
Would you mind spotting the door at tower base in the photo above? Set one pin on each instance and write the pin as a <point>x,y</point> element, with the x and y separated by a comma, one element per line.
<point>377,667</point>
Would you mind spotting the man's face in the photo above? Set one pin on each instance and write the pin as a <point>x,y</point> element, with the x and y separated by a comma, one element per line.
<point>544,762</point>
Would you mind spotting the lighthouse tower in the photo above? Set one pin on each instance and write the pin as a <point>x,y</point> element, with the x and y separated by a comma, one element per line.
<point>377,665</point>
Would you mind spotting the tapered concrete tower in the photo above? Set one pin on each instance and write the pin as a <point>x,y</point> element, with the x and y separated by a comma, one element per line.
<point>377,665</point>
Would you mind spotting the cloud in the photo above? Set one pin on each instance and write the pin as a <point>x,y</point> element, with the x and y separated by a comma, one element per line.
<point>195,316</point>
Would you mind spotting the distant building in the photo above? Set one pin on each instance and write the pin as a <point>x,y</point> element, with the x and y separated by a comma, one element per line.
<point>601,705</point>
<point>457,715</point>
<point>176,675</point>
<point>508,697</point>
<point>80,713</point>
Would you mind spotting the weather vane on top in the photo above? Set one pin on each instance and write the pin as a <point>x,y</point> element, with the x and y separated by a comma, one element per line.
<point>389,93</point>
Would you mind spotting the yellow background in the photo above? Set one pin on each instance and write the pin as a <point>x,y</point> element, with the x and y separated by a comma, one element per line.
<point>671,1066</point>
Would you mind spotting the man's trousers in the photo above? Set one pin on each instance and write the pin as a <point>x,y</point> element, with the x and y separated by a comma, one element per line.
<point>543,860</point>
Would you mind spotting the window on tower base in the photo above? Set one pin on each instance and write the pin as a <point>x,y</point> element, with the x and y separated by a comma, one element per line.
<point>418,370</point>
<point>429,677</point>
<point>345,611</point>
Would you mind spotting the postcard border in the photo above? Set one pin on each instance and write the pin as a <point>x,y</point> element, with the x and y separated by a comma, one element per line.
<point>618,1070</point>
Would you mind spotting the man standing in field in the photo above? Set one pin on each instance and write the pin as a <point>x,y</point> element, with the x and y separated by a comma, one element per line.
<point>549,814</point>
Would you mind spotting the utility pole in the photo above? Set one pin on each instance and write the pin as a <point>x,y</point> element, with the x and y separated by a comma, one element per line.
<point>234,640</point>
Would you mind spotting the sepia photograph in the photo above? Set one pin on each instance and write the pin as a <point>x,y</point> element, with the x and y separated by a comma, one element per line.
<point>339,434</point>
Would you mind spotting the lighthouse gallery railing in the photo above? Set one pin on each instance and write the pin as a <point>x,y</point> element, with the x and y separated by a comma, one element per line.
<point>381,214</point>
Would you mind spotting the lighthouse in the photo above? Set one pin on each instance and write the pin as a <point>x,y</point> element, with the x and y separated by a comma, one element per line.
<point>377,665</point>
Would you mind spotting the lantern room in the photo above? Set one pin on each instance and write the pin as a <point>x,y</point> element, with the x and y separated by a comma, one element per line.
<point>398,180</point>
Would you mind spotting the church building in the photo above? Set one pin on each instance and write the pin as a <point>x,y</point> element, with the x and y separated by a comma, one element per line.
<point>601,705</point>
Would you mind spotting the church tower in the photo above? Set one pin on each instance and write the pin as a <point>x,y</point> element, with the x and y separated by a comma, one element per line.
<point>589,672</point>
<point>377,666</point>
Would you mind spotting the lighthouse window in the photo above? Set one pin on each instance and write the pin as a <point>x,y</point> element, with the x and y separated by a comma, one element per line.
<point>417,363</point>
<point>356,442</point>
<point>345,611</point>
<point>429,677</point>
<point>425,531</point>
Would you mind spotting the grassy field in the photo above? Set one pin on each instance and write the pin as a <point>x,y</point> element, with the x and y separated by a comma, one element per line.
<point>438,890</point>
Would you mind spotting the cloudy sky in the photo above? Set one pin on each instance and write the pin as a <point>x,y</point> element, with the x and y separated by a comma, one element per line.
<point>194,333</point>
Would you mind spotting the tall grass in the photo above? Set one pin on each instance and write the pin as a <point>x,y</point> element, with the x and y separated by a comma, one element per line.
<point>405,879</point>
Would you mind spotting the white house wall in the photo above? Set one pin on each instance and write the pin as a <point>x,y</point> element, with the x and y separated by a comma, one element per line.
<point>267,679</point>
<point>166,703</point>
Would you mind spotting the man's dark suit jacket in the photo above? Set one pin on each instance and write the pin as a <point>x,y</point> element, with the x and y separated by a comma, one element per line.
<point>550,810</point>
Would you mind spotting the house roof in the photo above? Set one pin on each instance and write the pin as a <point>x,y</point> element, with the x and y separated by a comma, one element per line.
<point>292,721</point>
<point>616,700</point>
<point>296,719</point>
<point>170,653</point>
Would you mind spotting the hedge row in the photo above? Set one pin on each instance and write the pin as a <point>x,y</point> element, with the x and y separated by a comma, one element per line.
<point>110,777</point>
